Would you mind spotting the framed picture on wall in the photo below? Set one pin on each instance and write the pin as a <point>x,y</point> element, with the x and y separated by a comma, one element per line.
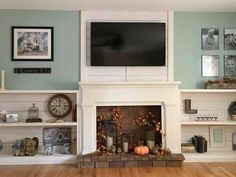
<point>217,136</point>
<point>210,65</point>
<point>32,43</point>
<point>230,66</point>
<point>210,38</point>
<point>230,38</point>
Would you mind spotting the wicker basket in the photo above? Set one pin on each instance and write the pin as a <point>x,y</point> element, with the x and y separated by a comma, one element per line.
<point>220,86</point>
<point>233,117</point>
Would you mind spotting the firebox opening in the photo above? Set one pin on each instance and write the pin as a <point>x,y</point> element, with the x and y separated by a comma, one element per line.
<point>122,128</point>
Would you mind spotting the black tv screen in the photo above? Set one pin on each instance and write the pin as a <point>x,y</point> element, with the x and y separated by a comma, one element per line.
<point>128,44</point>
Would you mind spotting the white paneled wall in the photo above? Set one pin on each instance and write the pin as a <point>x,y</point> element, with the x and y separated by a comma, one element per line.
<point>208,104</point>
<point>21,102</point>
<point>124,74</point>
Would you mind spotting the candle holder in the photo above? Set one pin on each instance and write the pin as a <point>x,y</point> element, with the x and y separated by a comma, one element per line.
<point>125,138</point>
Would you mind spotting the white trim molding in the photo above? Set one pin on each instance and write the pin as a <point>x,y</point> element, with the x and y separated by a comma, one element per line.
<point>130,93</point>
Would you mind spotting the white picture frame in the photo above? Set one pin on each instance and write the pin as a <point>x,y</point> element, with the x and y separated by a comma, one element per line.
<point>217,136</point>
<point>210,65</point>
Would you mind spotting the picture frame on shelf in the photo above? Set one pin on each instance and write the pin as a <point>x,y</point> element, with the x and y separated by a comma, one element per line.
<point>230,38</point>
<point>210,38</point>
<point>234,141</point>
<point>217,136</point>
<point>210,65</point>
<point>230,66</point>
<point>31,43</point>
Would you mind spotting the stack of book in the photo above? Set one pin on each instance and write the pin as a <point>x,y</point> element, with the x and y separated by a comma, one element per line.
<point>200,143</point>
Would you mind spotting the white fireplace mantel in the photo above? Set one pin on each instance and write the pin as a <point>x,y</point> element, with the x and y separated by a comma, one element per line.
<point>95,94</point>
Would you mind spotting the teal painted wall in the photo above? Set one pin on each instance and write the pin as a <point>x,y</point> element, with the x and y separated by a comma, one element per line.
<point>187,45</point>
<point>65,67</point>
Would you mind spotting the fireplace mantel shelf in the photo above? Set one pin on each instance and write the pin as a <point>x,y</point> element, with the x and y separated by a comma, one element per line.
<point>128,83</point>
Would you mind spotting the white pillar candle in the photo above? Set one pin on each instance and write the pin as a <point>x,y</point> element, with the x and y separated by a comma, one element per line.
<point>109,142</point>
<point>125,147</point>
<point>2,80</point>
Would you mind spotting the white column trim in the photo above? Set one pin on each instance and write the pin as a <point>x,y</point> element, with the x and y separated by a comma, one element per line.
<point>170,16</point>
<point>83,18</point>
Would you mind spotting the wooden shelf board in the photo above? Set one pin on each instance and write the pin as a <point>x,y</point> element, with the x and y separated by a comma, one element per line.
<point>214,156</point>
<point>9,159</point>
<point>43,124</point>
<point>207,90</point>
<point>39,91</point>
<point>192,122</point>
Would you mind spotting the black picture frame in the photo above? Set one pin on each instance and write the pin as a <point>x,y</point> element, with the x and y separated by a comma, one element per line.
<point>32,43</point>
<point>230,66</point>
<point>229,38</point>
<point>210,38</point>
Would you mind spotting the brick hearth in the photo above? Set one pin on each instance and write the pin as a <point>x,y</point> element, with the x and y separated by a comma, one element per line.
<point>129,160</point>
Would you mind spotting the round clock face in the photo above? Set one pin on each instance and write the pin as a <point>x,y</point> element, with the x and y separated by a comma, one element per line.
<point>59,105</point>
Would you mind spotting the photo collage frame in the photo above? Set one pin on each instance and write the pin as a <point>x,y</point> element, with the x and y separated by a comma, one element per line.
<point>210,38</point>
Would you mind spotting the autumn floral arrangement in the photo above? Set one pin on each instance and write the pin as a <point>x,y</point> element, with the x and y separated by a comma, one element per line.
<point>226,82</point>
<point>148,120</point>
<point>116,114</point>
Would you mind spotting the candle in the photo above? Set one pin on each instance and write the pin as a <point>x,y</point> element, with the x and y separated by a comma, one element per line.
<point>150,144</point>
<point>2,80</point>
<point>125,147</point>
<point>109,142</point>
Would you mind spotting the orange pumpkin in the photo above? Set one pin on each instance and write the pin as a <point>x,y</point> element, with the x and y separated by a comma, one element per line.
<point>141,150</point>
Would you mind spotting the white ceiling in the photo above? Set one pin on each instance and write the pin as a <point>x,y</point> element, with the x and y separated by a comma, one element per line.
<point>122,5</point>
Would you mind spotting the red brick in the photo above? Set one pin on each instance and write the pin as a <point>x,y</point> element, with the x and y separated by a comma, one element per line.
<point>87,158</point>
<point>101,158</point>
<point>124,157</point>
<point>159,163</point>
<point>87,165</point>
<point>116,164</point>
<point>174,163</point>
<point>80,158</point>
<point>131,163</point>
<point>152,156</point>
<point>131,157</point>
<point>144,163</point>
<point>102,164</point>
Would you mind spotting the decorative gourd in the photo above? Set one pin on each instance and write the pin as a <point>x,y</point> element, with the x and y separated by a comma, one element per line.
<point>141,150</point>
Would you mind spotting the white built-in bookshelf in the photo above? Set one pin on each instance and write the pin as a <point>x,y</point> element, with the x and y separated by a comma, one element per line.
<point>19,101</point>
<point>208,102</point>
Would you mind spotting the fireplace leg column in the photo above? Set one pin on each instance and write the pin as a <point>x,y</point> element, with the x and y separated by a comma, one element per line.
<point>88,129</point>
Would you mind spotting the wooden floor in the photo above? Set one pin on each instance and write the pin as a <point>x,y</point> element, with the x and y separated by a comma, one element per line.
<point>188,170</point>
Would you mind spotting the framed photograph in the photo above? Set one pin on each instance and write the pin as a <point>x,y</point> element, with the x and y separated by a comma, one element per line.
<point>234,141</point>
<point>32,43</point>
<point>210,38</point>
<point>217,136</point>
<point>210,65</point>
<point>230,38</point>
<point>230,66</point>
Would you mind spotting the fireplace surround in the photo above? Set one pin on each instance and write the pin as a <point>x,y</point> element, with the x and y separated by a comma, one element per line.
<point>129,94</point>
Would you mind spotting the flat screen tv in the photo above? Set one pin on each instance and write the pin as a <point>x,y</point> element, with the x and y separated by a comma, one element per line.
<point>128,44</point>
